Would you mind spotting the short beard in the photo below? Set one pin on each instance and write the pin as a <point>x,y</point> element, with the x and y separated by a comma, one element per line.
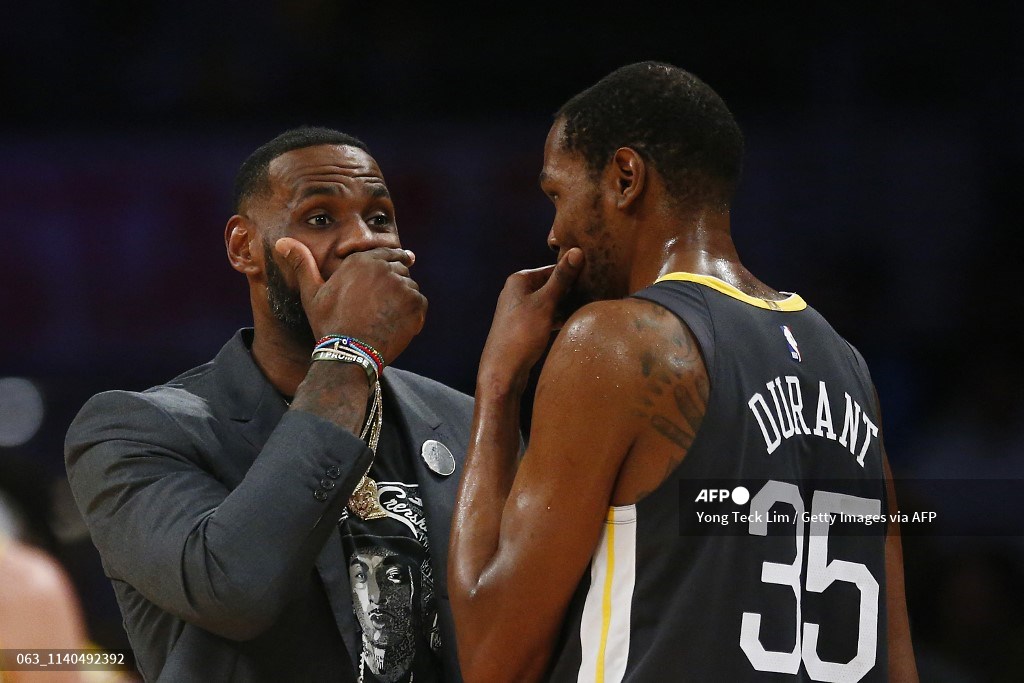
<point>596,282</point>
<point>285,302</point>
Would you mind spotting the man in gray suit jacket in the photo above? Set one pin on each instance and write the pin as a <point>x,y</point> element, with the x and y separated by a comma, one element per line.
<point>249,531</point>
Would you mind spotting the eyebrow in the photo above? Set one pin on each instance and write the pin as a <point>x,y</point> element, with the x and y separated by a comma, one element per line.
<point>316,190</point>
<point>376,191</point>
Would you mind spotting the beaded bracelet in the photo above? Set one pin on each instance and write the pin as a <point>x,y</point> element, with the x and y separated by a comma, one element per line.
<point>345,356</point>
<point>339,341</point>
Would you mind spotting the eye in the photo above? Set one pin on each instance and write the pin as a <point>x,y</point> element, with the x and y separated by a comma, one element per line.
<point>394,575</point>
<point>380,220</point>
<point>320,220</point>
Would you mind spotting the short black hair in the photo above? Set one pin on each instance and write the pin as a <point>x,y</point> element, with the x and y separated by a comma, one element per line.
<point>252,178</point>
<point>670,117</point>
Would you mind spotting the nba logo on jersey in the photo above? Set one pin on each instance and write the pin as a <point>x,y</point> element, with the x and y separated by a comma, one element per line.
<point>794,348</point>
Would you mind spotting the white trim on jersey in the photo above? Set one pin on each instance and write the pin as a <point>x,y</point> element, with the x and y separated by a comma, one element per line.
<point>604,629</point>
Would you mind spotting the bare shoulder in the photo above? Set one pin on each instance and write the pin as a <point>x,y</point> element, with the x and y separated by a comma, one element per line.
<point>635,332</point>
<point>638,353</point>
<point>635,364</point>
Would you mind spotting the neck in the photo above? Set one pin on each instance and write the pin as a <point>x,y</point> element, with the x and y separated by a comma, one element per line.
<point>283,359</point>
<point>700,243</point>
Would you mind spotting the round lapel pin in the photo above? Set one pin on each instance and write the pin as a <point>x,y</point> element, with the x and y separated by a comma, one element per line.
<point>438,457</point>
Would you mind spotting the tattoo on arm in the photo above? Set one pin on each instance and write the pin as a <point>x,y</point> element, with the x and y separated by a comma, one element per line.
<point>671,431</point>
<point>646,363</point>
<point>672,373</point>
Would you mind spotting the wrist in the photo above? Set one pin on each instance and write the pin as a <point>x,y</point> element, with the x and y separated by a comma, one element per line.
<point>337,392</point>
<point>339,347</point>
<point>347,378</point>
<point>500,384</point>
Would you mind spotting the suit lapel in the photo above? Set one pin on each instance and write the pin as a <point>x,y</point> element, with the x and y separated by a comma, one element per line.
<point>249,402</point>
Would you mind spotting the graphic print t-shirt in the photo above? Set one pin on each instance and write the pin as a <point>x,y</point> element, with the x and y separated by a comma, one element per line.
<point>390,575</point>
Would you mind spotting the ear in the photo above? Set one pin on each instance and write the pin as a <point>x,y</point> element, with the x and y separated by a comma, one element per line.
<point>239,237</point>
<point>627,174</point>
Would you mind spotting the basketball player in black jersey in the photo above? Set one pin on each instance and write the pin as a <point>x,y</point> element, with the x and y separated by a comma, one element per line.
<point>584,560</point>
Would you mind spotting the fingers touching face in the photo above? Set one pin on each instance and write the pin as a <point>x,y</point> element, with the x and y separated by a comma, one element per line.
<point>579,219</point>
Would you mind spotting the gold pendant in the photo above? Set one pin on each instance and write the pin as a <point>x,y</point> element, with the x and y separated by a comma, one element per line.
<point>365,500</point>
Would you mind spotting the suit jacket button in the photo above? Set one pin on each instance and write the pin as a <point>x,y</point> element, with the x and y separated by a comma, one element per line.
<point>320,495</point>
<point>327,484</point>
<point>333,472</point>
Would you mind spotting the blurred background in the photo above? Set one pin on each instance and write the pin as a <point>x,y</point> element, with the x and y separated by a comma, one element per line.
<point>882,182</point>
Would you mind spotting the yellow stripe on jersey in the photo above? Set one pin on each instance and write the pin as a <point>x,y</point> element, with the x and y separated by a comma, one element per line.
<point>607,611</point>
<point>606,604</point>
<point>793,302</point>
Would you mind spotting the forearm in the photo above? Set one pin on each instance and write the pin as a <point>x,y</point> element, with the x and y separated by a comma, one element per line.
<point>240,565</point>
<point>489,472</point>
<point>337,392</point>
<point>473,558</point>
<point>503,634</point>
<point>524,319</point>
<point>292,495</point>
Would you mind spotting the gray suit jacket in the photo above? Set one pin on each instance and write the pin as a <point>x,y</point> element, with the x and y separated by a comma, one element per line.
<point>199,495</point>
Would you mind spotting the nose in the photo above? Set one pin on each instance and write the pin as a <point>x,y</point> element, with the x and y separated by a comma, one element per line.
<point>552,242</point>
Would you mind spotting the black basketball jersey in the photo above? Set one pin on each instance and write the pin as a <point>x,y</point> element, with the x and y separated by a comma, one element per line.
<point>761,557</point>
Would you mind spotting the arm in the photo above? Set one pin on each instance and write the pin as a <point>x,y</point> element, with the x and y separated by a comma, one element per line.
<point>226,557</point>
<point>525,532</point>
<point>222,559</point>
<point>902,666</point>
<point>523,536</point>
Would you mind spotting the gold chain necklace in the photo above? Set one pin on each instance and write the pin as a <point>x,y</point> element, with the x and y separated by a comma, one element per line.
<point>365,500</point>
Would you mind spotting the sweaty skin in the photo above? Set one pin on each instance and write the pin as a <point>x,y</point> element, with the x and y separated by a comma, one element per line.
<point>587,449</point>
